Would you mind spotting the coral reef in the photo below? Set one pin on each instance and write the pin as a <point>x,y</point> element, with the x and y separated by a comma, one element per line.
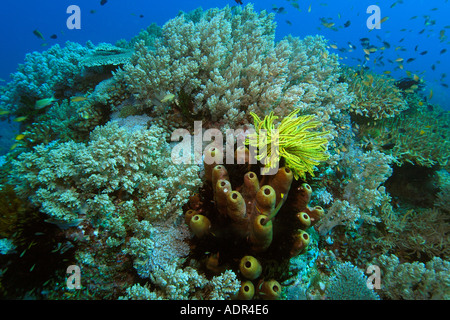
<point>349,283</point>
<point>363,191</point>
<point>418,136</point>
<point>414,281</point>
<point>43,75</point>
<point>229,65</point>
<point>377,96</point>
<point>341,169</point>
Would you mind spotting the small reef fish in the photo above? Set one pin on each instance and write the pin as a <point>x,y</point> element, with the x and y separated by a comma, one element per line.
<point>347,24</point>
<point>168,98</point>
<point>238,1</point>
<point>42,103</point>
<point>78,99</point>
<point>295,5</point>
<point>280,10</point>
<point>309,8</point>
<point>19,137</point>
<point>379,23</point>
<point>443,51</point>
<point>4,112</point>
<point>20,119</point>
<point>38,34</point>
<point>103,2</point>
<point>53,36</point>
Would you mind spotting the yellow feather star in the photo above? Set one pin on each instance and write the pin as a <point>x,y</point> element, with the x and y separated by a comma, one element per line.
<point>302,149</point>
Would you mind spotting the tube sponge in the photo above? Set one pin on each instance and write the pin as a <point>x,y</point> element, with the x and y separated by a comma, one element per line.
<point>200,225</point>
<point>301,242</point>
<point>219,172</point>
<point>221,191</point>
<point>261,233</point>
<point>281,183</point>
<point>247,291</point>
<point>251,185</point>
<point>265,200</point>
<point>188,216</point>
<point>269,290</point>
<point>250,267</point>
<point>304,219</point>
<point>316,214</point>
<point>236,208</point>
<point>302,196</point>
<point>213,156</point>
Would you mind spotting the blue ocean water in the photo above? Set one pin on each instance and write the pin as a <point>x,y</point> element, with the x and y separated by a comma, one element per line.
<point>116,20</point>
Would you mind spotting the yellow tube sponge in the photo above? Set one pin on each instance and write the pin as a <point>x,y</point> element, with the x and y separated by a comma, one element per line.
<point>265,200</point>
<point>200,225</point>
<point>247,291</point>
<point>221,191</point>
<point>213,156</point>
<point>236,208</point>
<point>281,183</point>
<point>316,214</point>
<point>250,267</point>
<point>302,196</point>
<point>301,242</point>
<point>251,185</point>
<point>219,172</point>
<point>304,219</point>
<point>261,233</point>
<point>188,216</point>
<point>269,290</point>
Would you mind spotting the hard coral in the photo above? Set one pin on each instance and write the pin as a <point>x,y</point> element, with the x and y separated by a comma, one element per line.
<point>377,96</point>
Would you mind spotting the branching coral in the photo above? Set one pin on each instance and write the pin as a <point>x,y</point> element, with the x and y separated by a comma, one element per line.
<point>349,283</point>
<point>363,191</point>
<point>418,136</point>
<point>60,178</point>
<point>42,74</point>
<point>418,281</point>
<point>228,62</point>
<point>114,188</point>
<point>377,96</point>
